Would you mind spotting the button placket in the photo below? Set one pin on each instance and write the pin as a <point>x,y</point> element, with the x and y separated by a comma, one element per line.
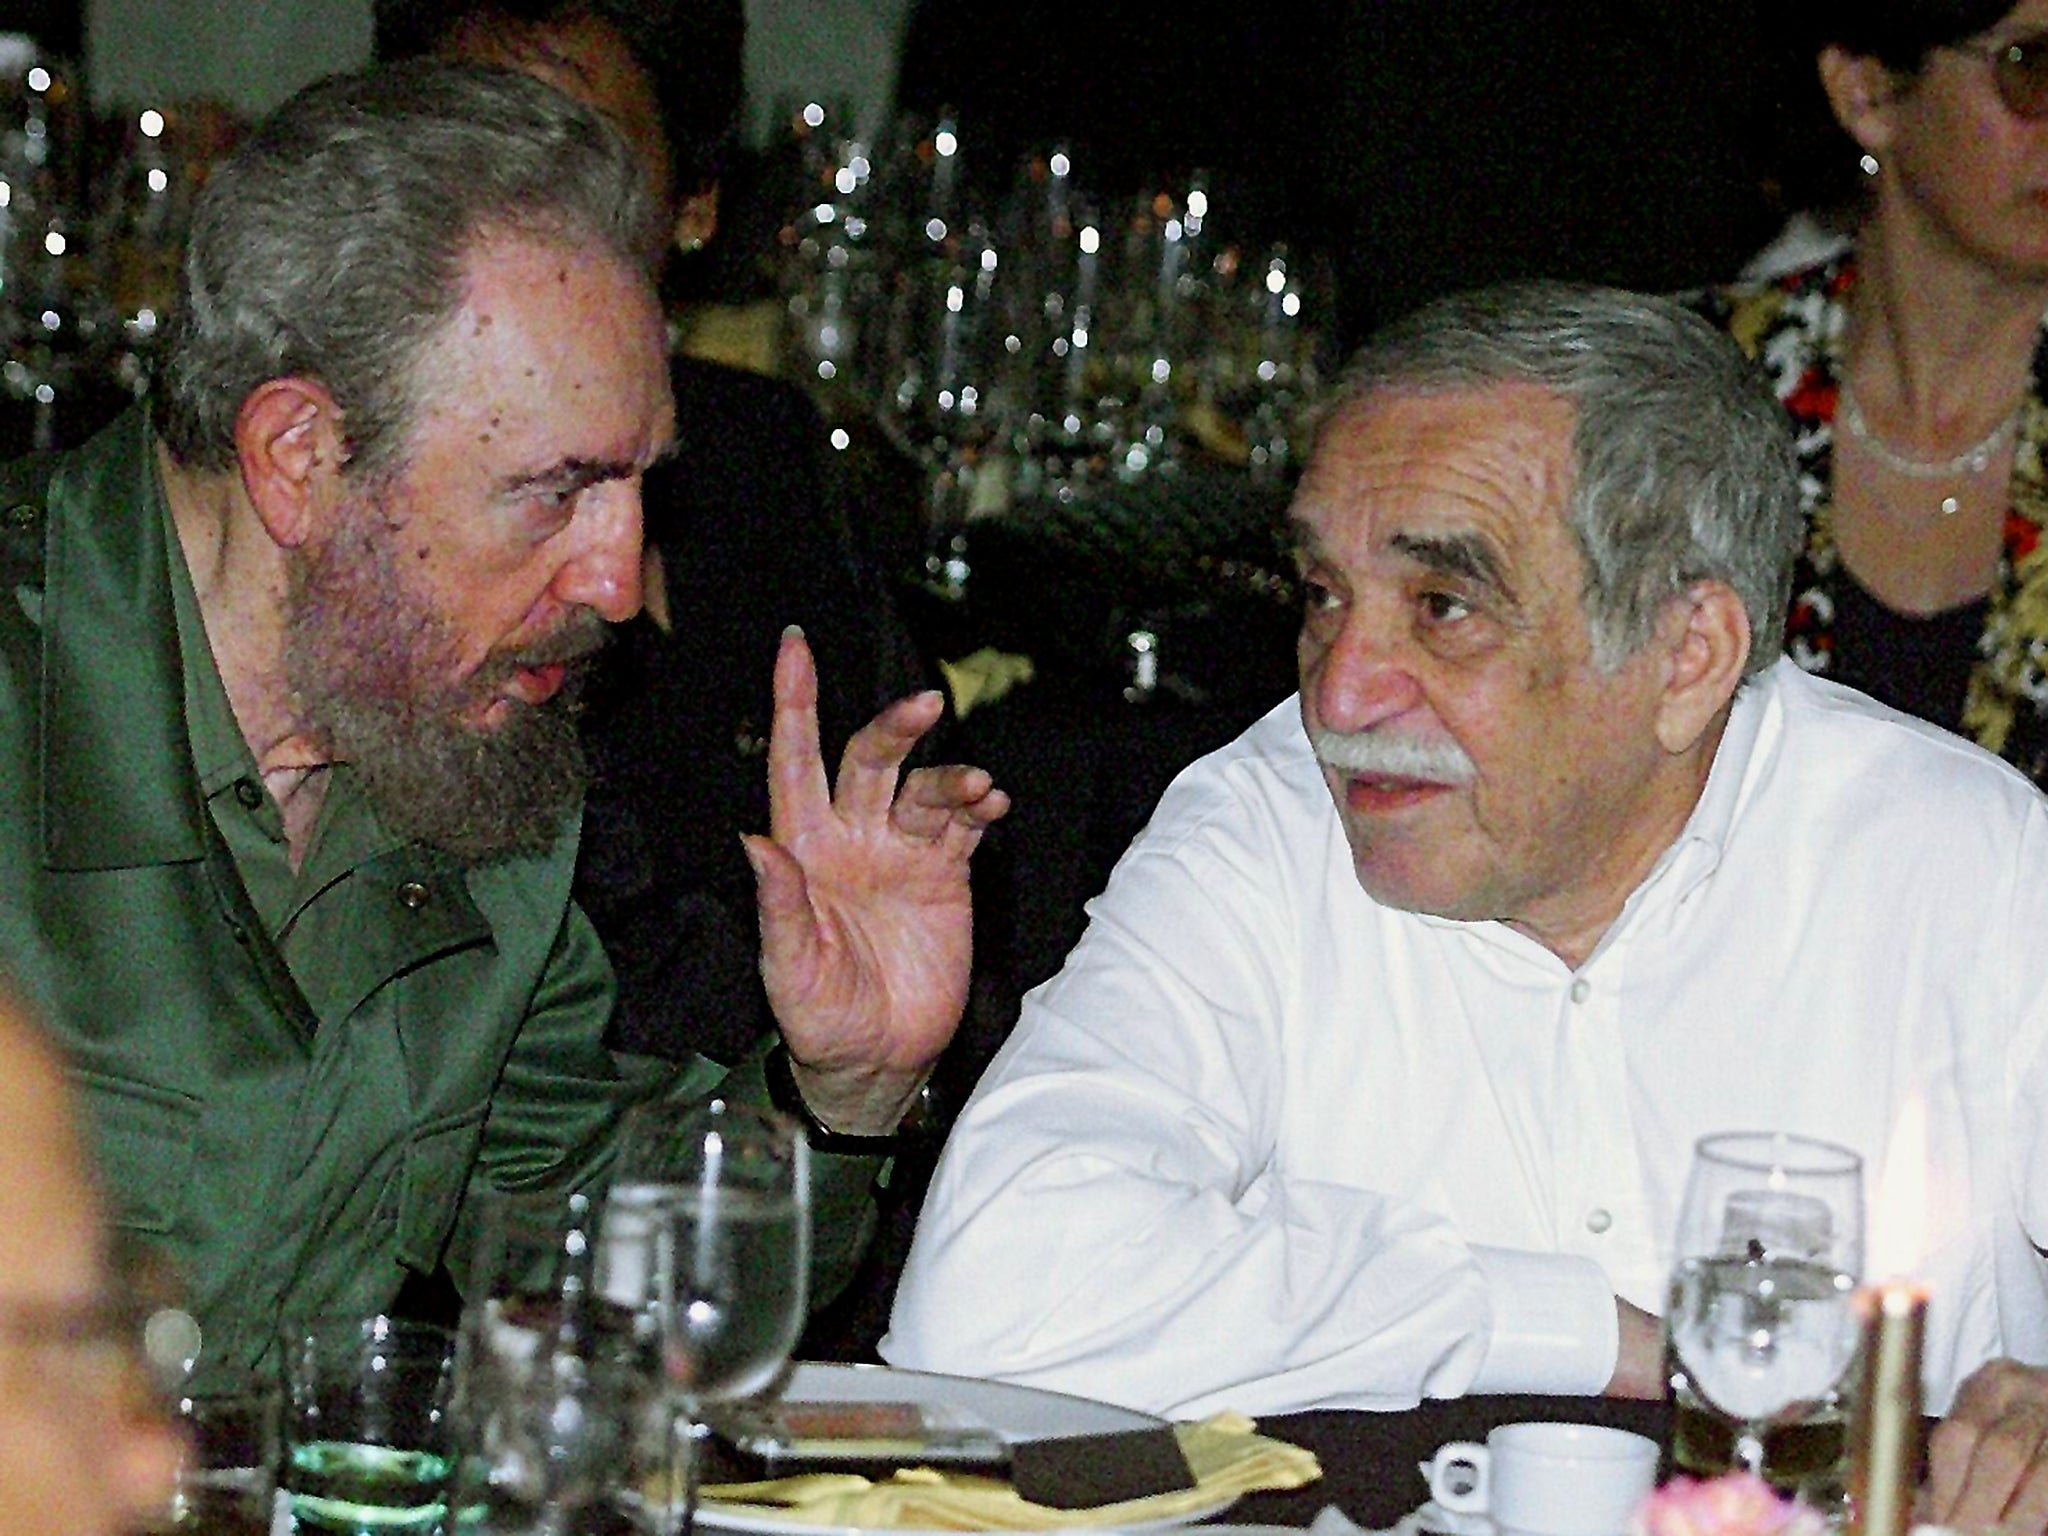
<point>1594,1145</point>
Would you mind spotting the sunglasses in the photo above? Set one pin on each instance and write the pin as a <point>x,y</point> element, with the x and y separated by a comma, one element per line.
<point>2019,68</point>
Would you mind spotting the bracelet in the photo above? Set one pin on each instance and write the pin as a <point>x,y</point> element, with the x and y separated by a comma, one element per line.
<point>784,1094</point>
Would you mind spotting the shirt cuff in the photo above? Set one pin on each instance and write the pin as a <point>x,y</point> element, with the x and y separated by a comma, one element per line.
<point>1555,1327</point>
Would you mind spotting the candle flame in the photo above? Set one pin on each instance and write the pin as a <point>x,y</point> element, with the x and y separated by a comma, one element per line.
<point>1898,1221</point>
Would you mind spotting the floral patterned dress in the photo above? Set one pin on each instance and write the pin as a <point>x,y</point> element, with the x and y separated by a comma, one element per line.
<point>1793,326</point>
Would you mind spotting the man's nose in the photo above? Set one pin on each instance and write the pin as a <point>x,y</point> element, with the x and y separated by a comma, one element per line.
<point>1359,680</point>
<point>603,574</point>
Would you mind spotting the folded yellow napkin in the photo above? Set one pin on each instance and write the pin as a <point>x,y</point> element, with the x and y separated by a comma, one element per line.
<point>984,677</point>
<point>740,336</point>
<point>1226,1454</point>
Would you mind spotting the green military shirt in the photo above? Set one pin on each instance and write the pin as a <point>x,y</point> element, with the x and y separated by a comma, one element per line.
<point>291,1078</point>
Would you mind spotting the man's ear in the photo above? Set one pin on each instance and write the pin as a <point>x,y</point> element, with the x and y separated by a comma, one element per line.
<point>1860,91</point>
<point>1704,639</point>
<point>291,448</point>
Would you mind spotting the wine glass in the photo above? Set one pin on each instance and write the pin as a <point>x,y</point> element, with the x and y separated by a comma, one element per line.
<point>707,1237</point>
<point>1760,1328</point>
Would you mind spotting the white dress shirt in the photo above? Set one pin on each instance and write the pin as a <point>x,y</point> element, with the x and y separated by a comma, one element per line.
<point>1266,1144</point>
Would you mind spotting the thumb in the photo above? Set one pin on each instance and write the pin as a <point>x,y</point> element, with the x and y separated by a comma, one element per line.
<point>782,897</point>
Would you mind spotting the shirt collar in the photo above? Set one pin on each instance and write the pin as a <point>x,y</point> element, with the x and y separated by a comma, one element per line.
<point>1747,744</point>
<point>220,753</point>
<point>117,761</point>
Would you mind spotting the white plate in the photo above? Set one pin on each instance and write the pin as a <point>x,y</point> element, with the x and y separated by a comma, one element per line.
<point>1016,1413</point>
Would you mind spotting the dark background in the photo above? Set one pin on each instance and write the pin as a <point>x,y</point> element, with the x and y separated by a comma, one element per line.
<point>59,25</point>
<point>1425,144</point>
<point>1421,145</point>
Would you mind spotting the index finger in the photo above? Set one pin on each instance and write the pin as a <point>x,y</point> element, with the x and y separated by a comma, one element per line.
<point>797,787</point>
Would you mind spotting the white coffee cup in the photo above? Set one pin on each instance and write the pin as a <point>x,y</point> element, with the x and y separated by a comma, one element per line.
<point>1546,1479</point>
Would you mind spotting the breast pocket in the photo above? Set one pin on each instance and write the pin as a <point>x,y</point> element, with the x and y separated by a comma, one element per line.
<point>143,1138</point>
<point>438,1162</point>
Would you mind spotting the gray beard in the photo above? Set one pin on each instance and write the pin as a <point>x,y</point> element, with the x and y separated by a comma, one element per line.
<point>368,667</point>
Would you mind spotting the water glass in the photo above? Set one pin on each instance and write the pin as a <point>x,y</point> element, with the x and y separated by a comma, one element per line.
<point>546,1372</point>
<point>368,1435</point>
<point>707,1241</point>
<point>227,1469</point>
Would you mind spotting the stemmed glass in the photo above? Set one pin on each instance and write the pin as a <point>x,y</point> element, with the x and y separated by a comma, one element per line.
<point>542,1373</point>
<point>707,1237</point>
<point>1760,1326</point>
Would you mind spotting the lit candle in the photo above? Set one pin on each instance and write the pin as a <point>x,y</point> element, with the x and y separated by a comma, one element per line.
<point>1884,1433</point>
<point>1884,1443</point>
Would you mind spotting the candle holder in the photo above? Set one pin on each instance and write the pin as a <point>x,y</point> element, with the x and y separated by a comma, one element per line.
<point>1884,1430</point>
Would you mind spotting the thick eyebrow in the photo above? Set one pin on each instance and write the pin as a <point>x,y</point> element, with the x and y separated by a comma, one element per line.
<point>572,475</point>
<point>1464,555</point>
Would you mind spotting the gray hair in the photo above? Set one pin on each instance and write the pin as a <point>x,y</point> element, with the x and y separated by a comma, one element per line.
<point>330,244</point>
<point>1683,468</point>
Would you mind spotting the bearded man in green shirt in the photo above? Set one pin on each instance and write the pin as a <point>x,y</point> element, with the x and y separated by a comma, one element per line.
<point>286,712</point>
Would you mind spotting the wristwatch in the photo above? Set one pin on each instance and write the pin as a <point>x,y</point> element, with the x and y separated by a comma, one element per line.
<point>784,1094</point>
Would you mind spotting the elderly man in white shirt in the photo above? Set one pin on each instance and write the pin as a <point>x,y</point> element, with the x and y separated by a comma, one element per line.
<point>1376,1074</point>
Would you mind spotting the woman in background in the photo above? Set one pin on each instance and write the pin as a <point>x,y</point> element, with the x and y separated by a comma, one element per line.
<point>1913,366</point>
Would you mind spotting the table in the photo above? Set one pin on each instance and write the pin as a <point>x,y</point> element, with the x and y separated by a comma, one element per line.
<point>1370,1459</point>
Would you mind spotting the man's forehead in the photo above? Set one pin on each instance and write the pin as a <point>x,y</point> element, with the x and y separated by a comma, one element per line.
<point>547,334</point>
<point>1498,454</point>
<point>515,261</point>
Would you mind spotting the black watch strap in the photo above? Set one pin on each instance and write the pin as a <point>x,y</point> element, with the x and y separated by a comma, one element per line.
<point>785,1096</point>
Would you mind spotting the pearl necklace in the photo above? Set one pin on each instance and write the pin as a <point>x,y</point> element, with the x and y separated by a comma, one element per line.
<point>1973,460</point>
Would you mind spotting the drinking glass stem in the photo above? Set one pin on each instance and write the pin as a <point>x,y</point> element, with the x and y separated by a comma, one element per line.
<point>687,1432</point>
<point>1749,1449</point>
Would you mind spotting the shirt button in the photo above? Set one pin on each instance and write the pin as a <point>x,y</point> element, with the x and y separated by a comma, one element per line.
<point>1581,990</point>
<point>249,793</point>
<point>1598,1221</point>
<point>412,895</point>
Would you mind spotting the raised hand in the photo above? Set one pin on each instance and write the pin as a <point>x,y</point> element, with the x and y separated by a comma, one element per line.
<point>866,921</point>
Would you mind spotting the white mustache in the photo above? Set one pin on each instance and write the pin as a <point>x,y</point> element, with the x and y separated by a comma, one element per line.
<point>1392,757</point>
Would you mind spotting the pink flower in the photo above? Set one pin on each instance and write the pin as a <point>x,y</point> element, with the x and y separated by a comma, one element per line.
<point>1736,1504</point>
